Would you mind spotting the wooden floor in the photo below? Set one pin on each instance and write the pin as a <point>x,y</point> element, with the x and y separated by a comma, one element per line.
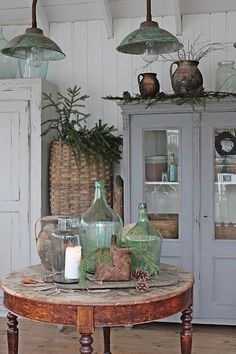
<point>156,338</point>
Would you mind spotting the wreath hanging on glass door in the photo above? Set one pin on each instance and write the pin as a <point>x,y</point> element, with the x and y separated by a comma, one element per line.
<point>225,144</point>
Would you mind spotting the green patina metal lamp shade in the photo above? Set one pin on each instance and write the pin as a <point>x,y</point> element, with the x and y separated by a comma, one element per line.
<point>19,46</point>
<point>149,35</point>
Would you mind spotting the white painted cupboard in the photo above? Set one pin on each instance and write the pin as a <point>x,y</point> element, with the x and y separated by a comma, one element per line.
<point>194,207</point>
<point>24,170</point>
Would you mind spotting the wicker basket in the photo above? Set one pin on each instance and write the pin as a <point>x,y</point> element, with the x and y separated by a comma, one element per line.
<point>72,185</point>
<point>167,224</point>
<point>119,270</point>
<point>225,231</point>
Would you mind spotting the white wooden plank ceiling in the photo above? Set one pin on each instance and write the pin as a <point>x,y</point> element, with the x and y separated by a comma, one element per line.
<point>19,12</point>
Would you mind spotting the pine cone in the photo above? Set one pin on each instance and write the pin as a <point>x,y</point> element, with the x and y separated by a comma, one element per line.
<point>142,286</point>
<point>140,274</point>
<point>126,95</point>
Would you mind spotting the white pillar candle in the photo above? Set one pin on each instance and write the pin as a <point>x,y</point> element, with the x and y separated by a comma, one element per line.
<point>72,261</point>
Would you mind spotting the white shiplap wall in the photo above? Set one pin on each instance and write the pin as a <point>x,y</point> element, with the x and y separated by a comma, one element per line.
<point>93,63</point>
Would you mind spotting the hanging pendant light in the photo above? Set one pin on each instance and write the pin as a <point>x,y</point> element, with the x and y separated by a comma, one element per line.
<point>149,40</point>
<point>33,45</point>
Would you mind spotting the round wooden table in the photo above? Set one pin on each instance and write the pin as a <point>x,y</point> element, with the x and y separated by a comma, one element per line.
<point>98,307</point>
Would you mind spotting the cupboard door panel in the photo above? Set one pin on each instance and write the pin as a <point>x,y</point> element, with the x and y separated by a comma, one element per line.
<point>159,142</point>
<point>11,245</point>
<point>218,216</point>
<point>222,267</point>
<point>9,159</point>
<point>24,155</point>
<point>14,186</point>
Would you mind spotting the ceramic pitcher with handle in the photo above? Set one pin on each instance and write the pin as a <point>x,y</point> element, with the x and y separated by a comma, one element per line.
<point>43,239</point>
<point>187,77</point>
<point>148,84</point>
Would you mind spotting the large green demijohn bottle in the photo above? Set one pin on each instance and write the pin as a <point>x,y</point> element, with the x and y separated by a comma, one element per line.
<point>100,222</point>
<point>145,243</point>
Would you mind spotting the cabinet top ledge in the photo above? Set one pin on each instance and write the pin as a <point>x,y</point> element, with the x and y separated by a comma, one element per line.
<point>153,106</point>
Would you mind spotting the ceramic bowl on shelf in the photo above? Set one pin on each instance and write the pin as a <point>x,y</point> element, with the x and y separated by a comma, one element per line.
<point>154,166</point>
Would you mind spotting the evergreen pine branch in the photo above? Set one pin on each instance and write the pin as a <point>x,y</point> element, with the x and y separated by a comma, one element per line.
<point>193,98</point>
<point>87,264</point>
<point>82,274</point>
<point>145,257</point>
<point>103,255</point>
<point>97,144</point>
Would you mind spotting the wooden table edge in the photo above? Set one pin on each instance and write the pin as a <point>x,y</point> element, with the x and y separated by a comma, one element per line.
<point>122,314</point>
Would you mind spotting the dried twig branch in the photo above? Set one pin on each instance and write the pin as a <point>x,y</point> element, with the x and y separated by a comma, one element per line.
<point>196,50</point>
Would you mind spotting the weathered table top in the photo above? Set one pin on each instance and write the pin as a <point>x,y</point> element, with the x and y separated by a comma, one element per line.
<point>60,304</point>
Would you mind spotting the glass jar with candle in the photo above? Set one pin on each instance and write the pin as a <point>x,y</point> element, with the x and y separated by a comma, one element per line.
<point>66,255</point>
<point>43,237</point>
<point>145,243</point>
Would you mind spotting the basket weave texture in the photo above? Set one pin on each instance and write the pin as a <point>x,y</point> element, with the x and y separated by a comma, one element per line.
<point>72,184</point>
<point>121,264</point>
<point>167,225</point>
<point>225,231</point>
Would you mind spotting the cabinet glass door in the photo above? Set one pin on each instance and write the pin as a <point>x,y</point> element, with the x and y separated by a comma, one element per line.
<point>218,216</point>
<point>160,174</point>
<point>161,158</point>
<point>225,184</point>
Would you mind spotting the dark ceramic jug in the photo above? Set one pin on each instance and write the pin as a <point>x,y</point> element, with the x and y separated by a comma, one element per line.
<point>148,84</point>
<point>187,77</point>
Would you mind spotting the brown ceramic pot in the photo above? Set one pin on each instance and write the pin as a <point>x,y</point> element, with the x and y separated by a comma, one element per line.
<point>187,77</point>
<point>43,239</point>
<point>148,84</point>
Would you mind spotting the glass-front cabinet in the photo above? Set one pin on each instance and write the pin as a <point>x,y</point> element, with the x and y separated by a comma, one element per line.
<point>182,163</point>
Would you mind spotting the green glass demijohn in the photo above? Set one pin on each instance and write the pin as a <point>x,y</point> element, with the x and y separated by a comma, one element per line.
<point>100,222</point>
<point>146,242</point>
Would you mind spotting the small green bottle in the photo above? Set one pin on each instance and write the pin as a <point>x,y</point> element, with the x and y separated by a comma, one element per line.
<point>100,222</point>
<point>172,168</point>
<point>145,243</point>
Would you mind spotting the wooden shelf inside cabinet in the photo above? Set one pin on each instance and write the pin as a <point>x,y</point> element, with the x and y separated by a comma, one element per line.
<point>226,183</point>
<point>160,182</point>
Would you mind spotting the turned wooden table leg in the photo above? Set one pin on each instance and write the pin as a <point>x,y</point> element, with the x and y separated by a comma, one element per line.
<point>12,334</point>
<point>186,333</point>
<point>86,341</point>
<point>106,337</point>
<point>85,327</point>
